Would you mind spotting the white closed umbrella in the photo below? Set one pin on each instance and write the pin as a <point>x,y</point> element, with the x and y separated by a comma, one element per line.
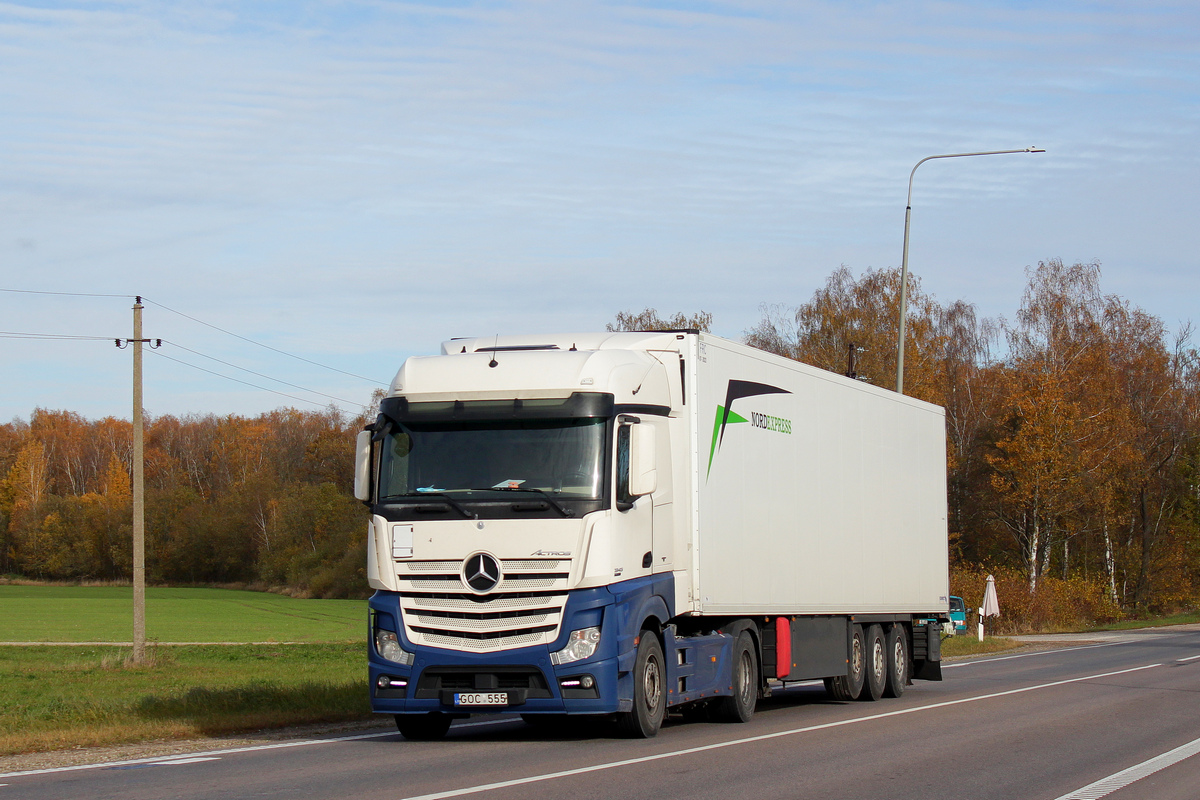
<point>991,605</point>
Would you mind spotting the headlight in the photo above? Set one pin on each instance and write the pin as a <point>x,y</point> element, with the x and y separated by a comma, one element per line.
<point>387,645</point>
<point>581,644</point>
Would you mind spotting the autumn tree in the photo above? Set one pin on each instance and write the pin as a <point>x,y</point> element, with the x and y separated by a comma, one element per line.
<point>648,320</point>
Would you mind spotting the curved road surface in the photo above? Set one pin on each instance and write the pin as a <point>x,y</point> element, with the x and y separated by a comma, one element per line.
<point>1118,719</point>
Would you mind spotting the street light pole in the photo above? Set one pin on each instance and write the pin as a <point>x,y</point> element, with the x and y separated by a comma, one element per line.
<point>904,259</point>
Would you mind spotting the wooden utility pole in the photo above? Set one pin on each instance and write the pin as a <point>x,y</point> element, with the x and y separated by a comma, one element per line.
<point>139,499</point>
<point>138,488</point>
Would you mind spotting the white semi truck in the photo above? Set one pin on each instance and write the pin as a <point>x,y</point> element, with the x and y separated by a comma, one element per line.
<point>626,524</point>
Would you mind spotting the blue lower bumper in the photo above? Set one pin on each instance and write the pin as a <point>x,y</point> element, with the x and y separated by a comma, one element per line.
<point>533,684</point>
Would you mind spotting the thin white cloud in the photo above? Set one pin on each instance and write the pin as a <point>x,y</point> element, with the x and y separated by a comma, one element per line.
<point>365,179</point>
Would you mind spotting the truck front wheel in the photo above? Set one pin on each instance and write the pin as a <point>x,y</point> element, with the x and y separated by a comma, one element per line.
<point>649,691</point>
<point>739,707</point>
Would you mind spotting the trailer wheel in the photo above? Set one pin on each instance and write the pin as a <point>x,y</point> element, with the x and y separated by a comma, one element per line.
<point>739,707</point>
<point>423,727</point>
<point>877,664</point>
<point>897,656</point>
<point>850,685</point>
<point>649,691</point>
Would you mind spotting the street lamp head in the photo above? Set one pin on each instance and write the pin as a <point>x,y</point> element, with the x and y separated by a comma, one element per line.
<point>904,257</point>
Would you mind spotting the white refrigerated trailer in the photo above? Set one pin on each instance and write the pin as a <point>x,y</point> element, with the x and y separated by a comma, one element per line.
<point>630,523</point>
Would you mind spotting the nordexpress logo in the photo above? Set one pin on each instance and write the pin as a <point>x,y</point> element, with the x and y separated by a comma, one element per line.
<point>726,416</point>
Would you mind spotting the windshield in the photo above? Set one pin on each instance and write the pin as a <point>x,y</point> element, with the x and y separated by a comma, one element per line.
<point>563,458</point>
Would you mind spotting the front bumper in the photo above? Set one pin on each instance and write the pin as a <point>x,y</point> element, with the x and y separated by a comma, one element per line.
<point>531,683</point>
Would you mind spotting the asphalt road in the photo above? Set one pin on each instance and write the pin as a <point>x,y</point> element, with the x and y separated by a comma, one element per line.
<point>1045,725</point>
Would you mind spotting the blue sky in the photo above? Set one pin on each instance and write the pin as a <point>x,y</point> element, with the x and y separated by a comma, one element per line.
<point>354,182</point>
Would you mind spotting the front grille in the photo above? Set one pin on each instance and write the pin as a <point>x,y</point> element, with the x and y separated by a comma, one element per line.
<point>474,623</point>
<point>493,602</point>
<point>524,609</point>
<point>514,583</point>
<point>540,565</point>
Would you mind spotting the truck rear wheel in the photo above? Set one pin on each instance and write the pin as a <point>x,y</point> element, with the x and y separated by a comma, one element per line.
<point>850,685</point>
<point>897,656</point>
<point>649,691</point>
<point>423,727</point>
<point>877,662</point>
<point>739,707</point>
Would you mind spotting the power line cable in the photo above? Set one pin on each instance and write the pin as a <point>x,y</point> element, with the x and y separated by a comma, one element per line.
<point>74,337</point>
<point>64,294</point>
<point>260,344</point>
<point>239,380</point>
<point>17,335</point>
<point>200,322</point>
<point>259,374</point>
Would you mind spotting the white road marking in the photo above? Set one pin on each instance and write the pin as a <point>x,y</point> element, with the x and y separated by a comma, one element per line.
<point>1031,655</point>
<point>247,749</point>
<point>735,742</point>
<point>1190,658</point>
<point>193,760</point>
<point>1119,780</point>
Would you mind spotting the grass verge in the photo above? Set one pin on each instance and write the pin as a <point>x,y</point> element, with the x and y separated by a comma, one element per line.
<point>54,698</point>
<point>971,646</point>
<point>1182,618</point>
<point>46,613</point>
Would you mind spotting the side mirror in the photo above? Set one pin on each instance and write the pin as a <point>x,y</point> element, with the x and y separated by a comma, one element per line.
<point>643,477</point>
<point>362,466</point>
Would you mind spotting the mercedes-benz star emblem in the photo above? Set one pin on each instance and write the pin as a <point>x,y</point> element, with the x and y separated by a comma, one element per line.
<point>481,573</point>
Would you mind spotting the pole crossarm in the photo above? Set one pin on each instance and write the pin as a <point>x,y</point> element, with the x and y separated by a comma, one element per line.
<point>904,258</point>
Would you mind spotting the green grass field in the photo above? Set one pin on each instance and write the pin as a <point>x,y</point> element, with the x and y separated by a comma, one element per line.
<point>105,614</point>
<point>63,697</point>
<point>54,697</point>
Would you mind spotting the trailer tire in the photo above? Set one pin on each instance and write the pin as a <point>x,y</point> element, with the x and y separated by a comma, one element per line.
<point>423,727</point>
<point>739,707</point>
<point>876,666</point>
<point>897,658</point>
<point>649,691</point>
<point>850,685</point>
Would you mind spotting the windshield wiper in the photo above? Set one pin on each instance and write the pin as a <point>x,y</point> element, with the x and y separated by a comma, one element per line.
<point>448,501</point>
<point>566,512</point>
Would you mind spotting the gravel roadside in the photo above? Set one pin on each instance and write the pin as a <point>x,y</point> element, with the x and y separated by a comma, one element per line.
<point>81,756</point>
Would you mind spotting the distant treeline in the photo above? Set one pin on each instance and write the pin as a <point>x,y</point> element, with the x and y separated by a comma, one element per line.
<point>1073,450</point>
<point>263,500</point>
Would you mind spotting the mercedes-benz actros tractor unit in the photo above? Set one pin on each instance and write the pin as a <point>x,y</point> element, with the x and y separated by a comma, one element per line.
<point>628,524</point>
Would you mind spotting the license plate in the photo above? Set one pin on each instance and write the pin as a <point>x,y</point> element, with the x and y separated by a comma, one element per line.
<point>481,698</point>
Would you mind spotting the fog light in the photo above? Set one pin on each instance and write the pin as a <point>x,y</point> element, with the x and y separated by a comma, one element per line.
<point>585,682</point>
<point>388,682</point>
